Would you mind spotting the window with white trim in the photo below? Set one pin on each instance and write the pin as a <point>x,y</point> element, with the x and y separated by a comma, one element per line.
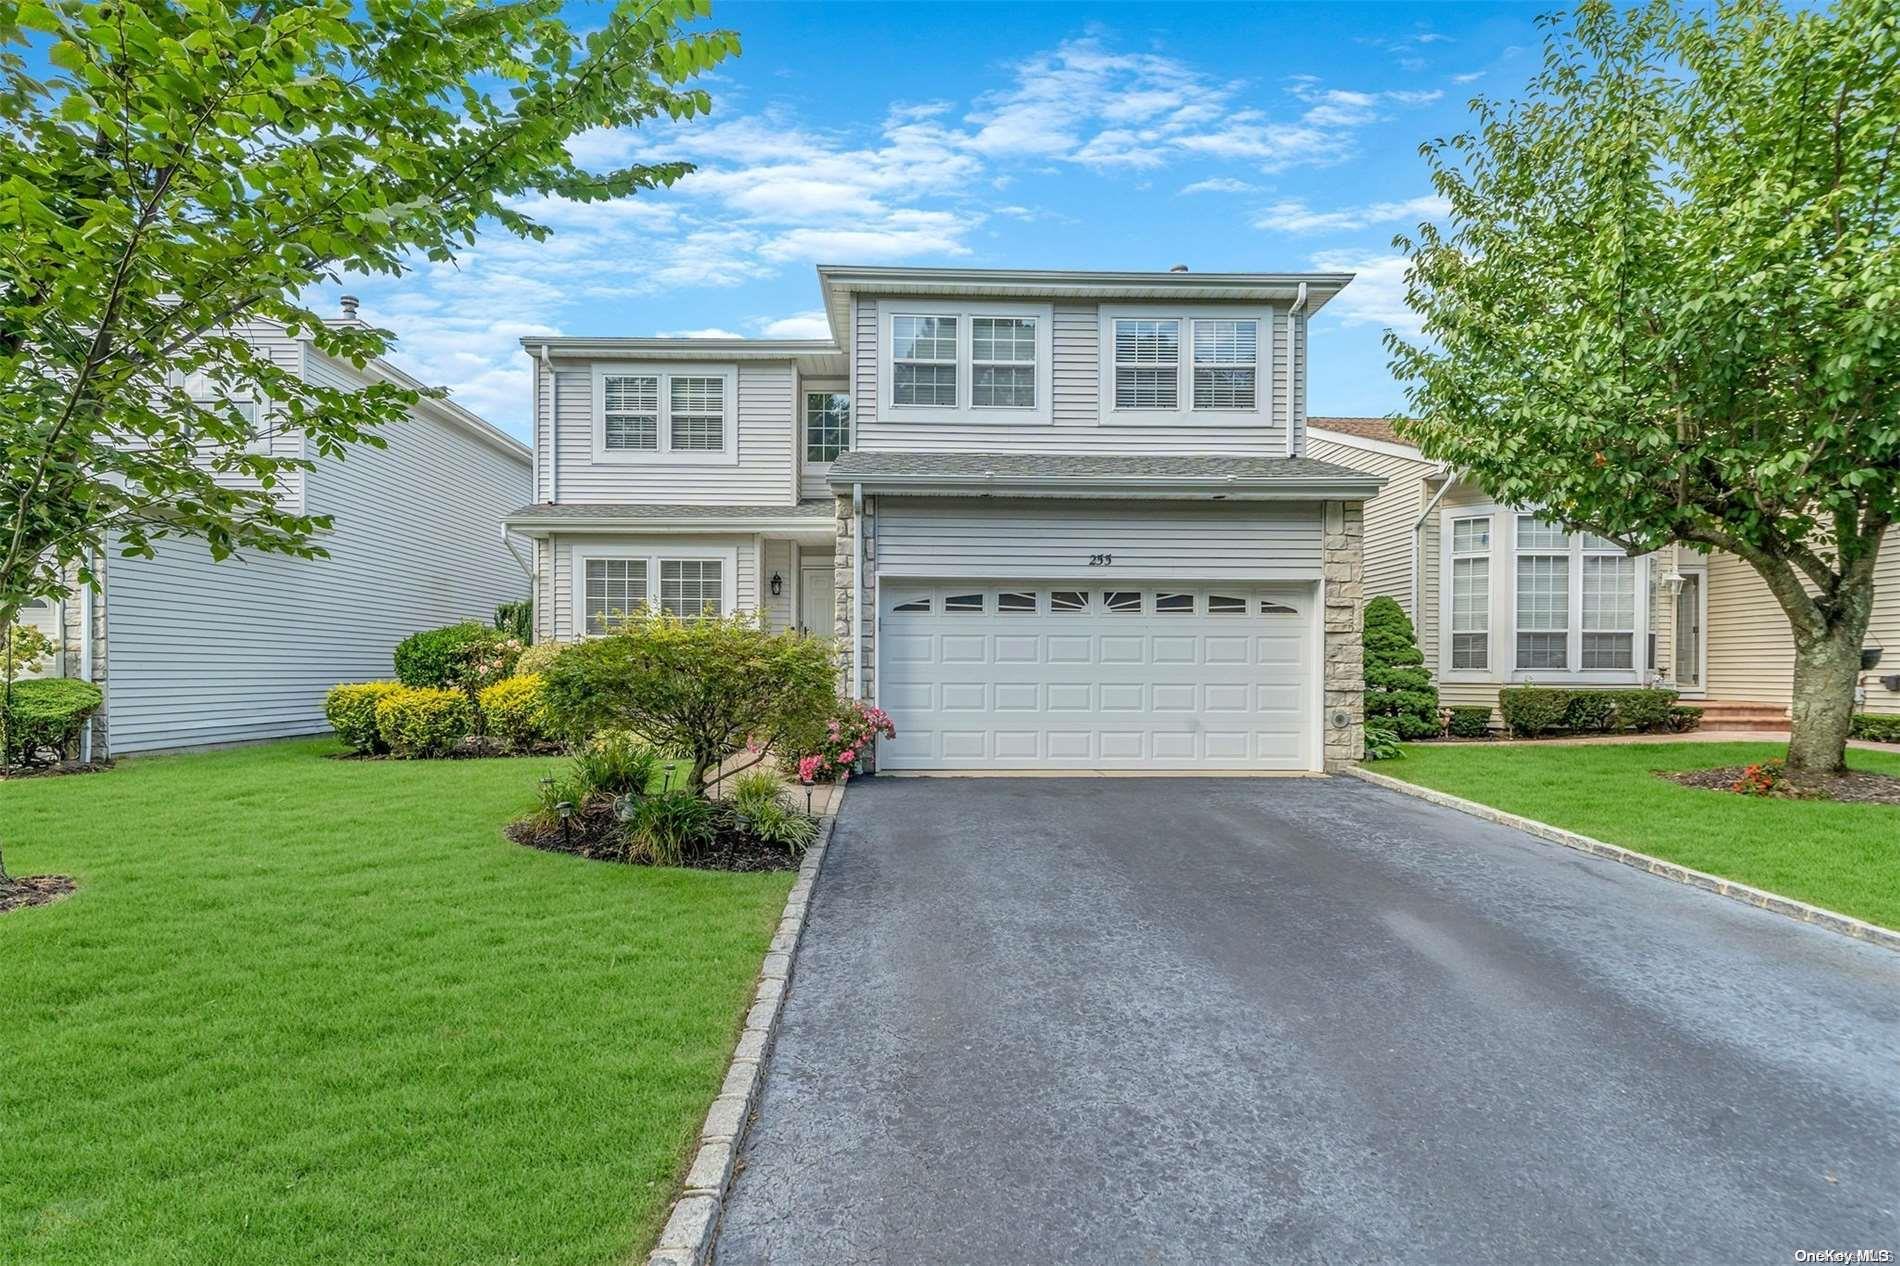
<point>1003,362</point>
<point>827,425</point>
<point>698,414</point>
<point>1147,363</point>
<point>1543,595</point>
<point>1609,606</point>
<point>692,588</point>
<point>924,361</point>
<point>205,393</point>
<point>632,405</point>
<point>616,590</point>
<point>1471,593</point>
<point>1226,363</point>
<point>677,413</point>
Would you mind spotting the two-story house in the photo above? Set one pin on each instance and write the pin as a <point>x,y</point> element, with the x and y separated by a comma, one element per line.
<point>1056,520</point>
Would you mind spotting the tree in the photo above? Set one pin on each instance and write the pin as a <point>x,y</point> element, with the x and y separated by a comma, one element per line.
<point>1665,300</point>
<point>706,689</point>
<point>1397,683</point>
<point>190,167</point>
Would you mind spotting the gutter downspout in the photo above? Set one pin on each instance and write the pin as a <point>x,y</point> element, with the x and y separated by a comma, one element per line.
<point>857,591</point>
<point>1292,324</point>
<point>508,540</point>
<point>1418,538</point>
<point>554,420</point>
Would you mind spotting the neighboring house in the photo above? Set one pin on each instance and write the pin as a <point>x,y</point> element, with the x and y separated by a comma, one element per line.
<point>1501,598</point>
<point>1057,520</point>
<point>192,652</point>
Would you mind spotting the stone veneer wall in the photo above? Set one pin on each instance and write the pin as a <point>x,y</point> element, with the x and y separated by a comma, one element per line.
<point>72,651</point>
<point>1345,668</point>
<point>842,595</point>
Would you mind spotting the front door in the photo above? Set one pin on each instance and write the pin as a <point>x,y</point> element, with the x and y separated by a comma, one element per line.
<point>1689,634</point>
<point>816,613</point>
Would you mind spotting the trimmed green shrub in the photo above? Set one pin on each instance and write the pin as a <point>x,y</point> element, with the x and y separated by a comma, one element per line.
<point>1644,710</point>
<point>516,619</point>
<point>1682,719</point>
<point>1590,711</point>
<point>1471,720</point>
<point>616,763</point>
<point>1382,739</point>
<point>1397,683</point>
<point>1532,711</point>
<point>669,827</point>
<point>43,719</point>
<point>537,659</point>
<point>351,711</point>
<point>514,712</point>
<point>1874,728</point>
<point>446,658</point>
<point>418,722</point>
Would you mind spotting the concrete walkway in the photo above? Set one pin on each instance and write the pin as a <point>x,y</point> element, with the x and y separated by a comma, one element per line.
<point>1301,1020</point>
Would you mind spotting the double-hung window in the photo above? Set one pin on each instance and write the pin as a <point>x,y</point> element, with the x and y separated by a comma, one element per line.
<point>692,587</point>
<point>1226,363</point>
<point>1002,362</point>
<point>924,361</point>
<point>680,413</point>
<point>827,425</point>
<point>205,393</point>
<point>1543,595</point>
<point>1471,593</point>
<point>1147,363</point>
<point>616,590</point>
<point>1609,605</point>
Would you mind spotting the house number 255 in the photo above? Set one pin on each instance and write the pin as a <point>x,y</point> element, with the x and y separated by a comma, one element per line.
<point>1100,560</point>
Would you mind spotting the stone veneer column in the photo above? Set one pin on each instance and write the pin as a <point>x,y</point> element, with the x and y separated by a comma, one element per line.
<point>1344,653</point>
<point>844,596</point>
<point>73,635</point>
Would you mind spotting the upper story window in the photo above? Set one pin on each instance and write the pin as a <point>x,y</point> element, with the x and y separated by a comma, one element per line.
<point>1003,362</point>
<point>1147,364</point>
<point>206,394</point>
<point>1194,364</point>
<point>827,425</point>
<point>924,360</point>
<point>665,413</point>
<point>1226,363</point>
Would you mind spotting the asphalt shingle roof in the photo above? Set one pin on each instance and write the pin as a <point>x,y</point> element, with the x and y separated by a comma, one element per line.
<point>1364,428</point>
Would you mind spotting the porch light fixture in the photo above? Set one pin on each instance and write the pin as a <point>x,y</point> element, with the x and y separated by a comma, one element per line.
<point>1673,582</point>
<point>778,584</point>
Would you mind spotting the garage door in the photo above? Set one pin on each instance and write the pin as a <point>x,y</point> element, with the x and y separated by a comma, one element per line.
<point>1024,676</point>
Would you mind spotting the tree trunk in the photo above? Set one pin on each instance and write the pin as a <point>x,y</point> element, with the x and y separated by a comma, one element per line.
<point>1826,671</point>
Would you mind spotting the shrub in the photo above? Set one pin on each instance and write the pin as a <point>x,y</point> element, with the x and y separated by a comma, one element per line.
<point>417,722</point>
<point>1643,710</point>
<point>1532,711</point>
<point>1873,728</point>
<point>448,658</point>
<point>669,827</point>
<point>513,711</point>
<point>616,763</point>
<point>537,659</point>
<point>1682,719</point>
<point>24,650</point>
<point>1470,721</point>
<point>755,789</point>
<point>776,822</point>
<point>844,737</point>
<point>351,711</point>
<point>1765,779</point>
<point>705,688</point>
<point>1590,711</point>
<point>516,619</point>
<point>1382,739</point>
<point>42,720</point>
<point>1397,683</point>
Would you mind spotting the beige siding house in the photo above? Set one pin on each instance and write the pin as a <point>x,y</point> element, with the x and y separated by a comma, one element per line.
<point>1500,598</point>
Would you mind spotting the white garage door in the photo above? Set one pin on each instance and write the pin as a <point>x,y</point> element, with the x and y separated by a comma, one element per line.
<point>1026,676</point>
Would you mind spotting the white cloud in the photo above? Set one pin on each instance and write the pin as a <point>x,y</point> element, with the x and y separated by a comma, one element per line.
<point>710,332</point>
<point>1376,295</point>
<point>1219,184</point>
<point>810,324</point>
<point>1468,77</point>
<point>1294,216</point>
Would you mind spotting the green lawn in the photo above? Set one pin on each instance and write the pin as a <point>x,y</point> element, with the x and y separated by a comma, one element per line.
<point>1842,856</point>
<point>308,1010</point>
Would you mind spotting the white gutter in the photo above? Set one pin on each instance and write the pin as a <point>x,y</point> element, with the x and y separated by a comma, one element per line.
<point>857,591</point>
<point>1292,325</point>
<point>527,568</point>
<point>1418,539</point>
<point>554,421</point>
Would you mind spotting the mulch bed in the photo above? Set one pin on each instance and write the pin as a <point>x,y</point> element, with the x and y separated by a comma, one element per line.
<point>1856,786</point>
<point>10,772</point>
<point>597,835</point>
<point>33,890</point>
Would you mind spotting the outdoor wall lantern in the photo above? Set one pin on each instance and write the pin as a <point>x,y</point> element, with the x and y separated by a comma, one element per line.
<point>1673,583</point>
<point>778,584</point>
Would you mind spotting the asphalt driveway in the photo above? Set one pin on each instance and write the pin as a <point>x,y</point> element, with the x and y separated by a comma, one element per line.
<point>1225,1020</point>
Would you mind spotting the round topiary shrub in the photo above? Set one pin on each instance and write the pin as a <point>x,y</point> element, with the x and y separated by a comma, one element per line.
<point>43,719</point>
<point>1397,683</point>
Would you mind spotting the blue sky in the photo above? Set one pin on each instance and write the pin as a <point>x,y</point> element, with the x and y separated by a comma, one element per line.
<point>1225,137</point>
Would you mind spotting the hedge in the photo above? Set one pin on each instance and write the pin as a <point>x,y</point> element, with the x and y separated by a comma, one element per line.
<point>351,712</point>
<point>46,715</point>
<point>515,713</point>
<point>1472,720</point>
<point>1533,711</point>
<point>1875,728</point>
<point>421,721</point>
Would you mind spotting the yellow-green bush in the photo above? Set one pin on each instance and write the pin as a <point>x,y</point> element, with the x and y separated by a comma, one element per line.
<point>417,721</point>
<point>535,660</point>
<point>512,711</point>
<point>351,711</point>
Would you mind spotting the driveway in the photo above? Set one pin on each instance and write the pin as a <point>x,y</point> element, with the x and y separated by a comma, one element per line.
<point>1227,1020</point>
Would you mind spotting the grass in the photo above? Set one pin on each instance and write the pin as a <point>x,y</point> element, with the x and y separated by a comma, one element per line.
<point>307,1010</point>
<point>1845,857</point>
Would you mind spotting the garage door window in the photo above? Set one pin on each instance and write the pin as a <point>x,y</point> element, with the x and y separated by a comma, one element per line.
<point>1016,603</point>
<point>1068,601</point>
<point>963,603</point>
<point>1122,602</point>
<point>1268,607</point>
<point>914,604</point>
<point>1174,604</point>
<point>1225,604</point>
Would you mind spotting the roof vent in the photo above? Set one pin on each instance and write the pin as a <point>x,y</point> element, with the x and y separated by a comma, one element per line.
<point>349,307</point>
<point>1178,268</point>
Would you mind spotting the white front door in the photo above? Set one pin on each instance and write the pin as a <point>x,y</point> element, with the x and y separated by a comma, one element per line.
<point>1026,675</point>
<point>816,613</point>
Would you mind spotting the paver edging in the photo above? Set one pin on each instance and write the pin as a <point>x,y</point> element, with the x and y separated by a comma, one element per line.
<point>693,1222</point>
<point>1787,907</point>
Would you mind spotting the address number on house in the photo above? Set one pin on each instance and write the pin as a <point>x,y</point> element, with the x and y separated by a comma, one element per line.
<point>1101,560</point>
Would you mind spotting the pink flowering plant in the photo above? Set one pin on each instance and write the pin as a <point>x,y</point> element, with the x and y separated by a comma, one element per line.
<point>847,736</point>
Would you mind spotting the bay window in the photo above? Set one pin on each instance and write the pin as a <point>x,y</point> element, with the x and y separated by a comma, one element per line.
<point>1543,595</point>
<point>1609,606</point>
<point>1471,593</point>
<point>616,584</point>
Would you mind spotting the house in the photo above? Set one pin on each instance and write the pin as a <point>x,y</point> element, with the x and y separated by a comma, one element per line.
<point>1055,520</point>
<point>191,652</point>
<point>1501,598</point>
